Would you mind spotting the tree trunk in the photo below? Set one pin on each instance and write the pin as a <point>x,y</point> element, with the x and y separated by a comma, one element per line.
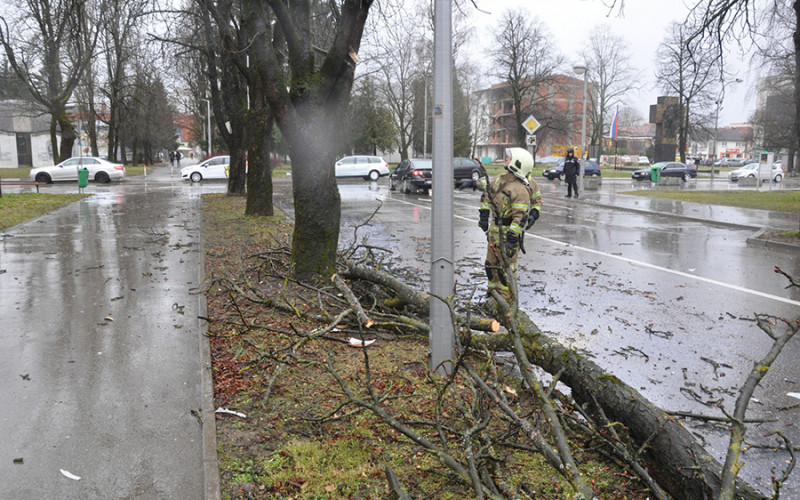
<point>796,40</point>
<point>259,173</point>
<point>317,202</point>
<point>672,456</point>
<point>67,134</point>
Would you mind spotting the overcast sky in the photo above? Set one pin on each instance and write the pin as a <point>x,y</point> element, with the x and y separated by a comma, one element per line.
<point>643,24</point>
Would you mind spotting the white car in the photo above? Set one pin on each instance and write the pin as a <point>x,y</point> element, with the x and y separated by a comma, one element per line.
<point>368,167</point>
<point>217,167</point>
<point>751,170</point>
<point>100,170</point>
<point>643,160</point>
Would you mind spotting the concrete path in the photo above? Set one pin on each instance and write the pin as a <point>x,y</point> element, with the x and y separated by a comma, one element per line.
<point>104,371</point>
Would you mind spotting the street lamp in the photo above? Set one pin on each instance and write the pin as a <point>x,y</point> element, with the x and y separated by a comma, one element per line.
<point>208,112</point>
<point>716,124</point>
<point>579,70</point>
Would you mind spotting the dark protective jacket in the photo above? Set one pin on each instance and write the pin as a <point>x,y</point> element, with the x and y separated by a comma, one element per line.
<point>571,168</point>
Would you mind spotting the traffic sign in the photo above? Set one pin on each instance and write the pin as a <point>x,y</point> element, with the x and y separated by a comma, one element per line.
<point>530,140</point>
<point>531,124</point>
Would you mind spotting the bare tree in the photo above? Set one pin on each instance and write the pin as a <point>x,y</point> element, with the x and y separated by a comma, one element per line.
<point>47,49</point>
<point>610,70</point>
<point>306,55</point>
<point>775,53</point>
<point>400,62</point>
<point>121,42</point>
<point>734,20</point>
<point>689,69</point>
<point>525,60</point>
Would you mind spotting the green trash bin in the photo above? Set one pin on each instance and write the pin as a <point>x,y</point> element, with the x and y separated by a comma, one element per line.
<point>655,172</point>
<point>83,177</point>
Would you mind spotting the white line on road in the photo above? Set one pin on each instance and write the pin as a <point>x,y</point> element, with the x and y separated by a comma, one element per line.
<point>634,262</point>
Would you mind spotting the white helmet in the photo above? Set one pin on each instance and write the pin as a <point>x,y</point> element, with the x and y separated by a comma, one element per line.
<point>520,163</point>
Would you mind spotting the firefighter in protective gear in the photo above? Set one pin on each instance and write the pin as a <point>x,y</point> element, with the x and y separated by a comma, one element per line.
<point>510,204</point>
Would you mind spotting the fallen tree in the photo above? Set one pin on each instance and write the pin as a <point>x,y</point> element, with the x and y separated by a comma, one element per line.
<point>672,455</point>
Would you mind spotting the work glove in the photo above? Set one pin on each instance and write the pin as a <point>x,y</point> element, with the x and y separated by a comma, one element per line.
<point>533,216</point>
<point>512,241</point>
<point>483,219</point>
<point>467,184</point>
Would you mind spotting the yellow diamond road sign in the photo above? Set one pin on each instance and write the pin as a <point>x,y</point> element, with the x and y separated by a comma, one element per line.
<point>530,124</point>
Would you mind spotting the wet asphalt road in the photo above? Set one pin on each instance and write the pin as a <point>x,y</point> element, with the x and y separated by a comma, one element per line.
<point>101,347</point>
<point>655,292</point>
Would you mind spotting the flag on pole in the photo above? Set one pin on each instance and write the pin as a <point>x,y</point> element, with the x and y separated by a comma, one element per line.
<point>614,124</point>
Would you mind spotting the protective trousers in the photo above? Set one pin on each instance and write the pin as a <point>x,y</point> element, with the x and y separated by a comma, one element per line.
<point>494,264</point>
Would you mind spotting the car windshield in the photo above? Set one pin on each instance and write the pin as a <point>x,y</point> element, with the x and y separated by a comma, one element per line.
<point>422,163</point>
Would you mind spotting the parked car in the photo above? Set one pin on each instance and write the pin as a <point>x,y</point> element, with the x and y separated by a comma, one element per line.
<point>467,168</point>
<point>643,174</point>
<point>411,175</point>
<point>678,169</point>
<point>591,168</point>
<point>100,170</point>
<point>668,169</point>
<point>367,167</point>
<point>752,170</point>
<point>643,160</point>
<point>549,160</point>
<point>216,167</point>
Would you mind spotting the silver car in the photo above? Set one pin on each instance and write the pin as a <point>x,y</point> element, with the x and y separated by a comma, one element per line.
<point>100,170</point>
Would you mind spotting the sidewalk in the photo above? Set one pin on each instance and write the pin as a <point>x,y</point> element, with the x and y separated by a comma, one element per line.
<point>610,194</point>
<point>105,390</point>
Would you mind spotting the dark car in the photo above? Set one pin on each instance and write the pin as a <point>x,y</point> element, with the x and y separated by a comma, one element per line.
<point>411,175</point>
<point>467,168</point>
<point>590,169</point>
<point>643,174</point>
<point>668,169</point>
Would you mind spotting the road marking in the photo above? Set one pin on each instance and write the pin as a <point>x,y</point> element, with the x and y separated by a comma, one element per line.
<point>635,262</point>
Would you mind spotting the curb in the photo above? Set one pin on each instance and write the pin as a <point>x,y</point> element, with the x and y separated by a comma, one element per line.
<point>211,480</point>
<point>756,240</point>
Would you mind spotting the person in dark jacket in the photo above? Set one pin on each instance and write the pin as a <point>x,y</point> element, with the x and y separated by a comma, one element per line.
<point>571,170</point>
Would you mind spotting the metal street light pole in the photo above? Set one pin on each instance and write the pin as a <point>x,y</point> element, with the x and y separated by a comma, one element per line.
<point>442,280</point>
<point>581,70</point>
<point>208,112</point>
<point>714,148</point>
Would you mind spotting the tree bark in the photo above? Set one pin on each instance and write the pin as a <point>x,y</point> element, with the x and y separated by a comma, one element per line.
<point>259,171</point>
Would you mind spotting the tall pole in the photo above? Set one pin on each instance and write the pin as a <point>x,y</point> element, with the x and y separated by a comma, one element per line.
<point>581,70</point>
<point>442,283</point>
<point>208,112</point>
<point>714,148</point>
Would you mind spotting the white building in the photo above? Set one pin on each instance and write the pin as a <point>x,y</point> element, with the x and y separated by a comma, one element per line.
<point>24,136</point>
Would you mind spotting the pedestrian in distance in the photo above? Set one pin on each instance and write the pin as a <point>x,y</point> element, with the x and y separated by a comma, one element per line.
<point>571,171</point>
<point>510,204</point>
<point>172,158</point>
<point>178,156</point>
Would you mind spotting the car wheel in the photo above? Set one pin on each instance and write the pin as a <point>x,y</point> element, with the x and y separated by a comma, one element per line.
<point>43,177</point>
<point>426,191</point>
<point>374,175</point>
<point>102,178</point>
<point>476,175</point>
<point>561,177</point>
<point>752,176</point>
<point>686,177</point>
<point>196,177</point>
<point>406,187</point>
<point>778,178</point>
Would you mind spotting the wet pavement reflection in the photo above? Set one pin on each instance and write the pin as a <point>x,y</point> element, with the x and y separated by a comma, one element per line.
<point>101,357</point>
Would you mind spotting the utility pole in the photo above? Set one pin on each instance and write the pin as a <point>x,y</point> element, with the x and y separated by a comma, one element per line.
<point>442,283</point>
